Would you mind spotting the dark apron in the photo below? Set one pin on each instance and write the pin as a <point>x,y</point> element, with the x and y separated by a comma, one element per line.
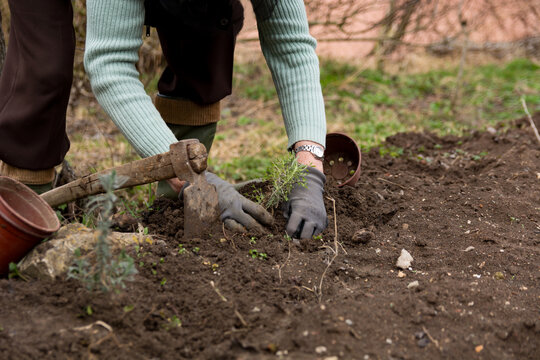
<point>198,39</point>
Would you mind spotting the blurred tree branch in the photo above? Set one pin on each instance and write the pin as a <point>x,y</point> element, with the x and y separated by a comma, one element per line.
<point>436,25</point>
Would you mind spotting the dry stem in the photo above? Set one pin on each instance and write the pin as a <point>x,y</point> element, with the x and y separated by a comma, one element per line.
<point>240,317</point>
<point>218,292</point>
<point>335,250</point>
<point>530,119</point>
<point>393,183</point>
<point>431,338</point>
<point>286,261</point>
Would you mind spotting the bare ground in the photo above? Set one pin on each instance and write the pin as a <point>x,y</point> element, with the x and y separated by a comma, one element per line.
<point>467,209</point>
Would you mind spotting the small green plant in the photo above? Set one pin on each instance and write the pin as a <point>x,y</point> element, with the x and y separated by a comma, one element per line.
<point>172,322</point>
<point>181,249</point>
<point>391,150</point>
<point>282,175</point>
<point>100,270</point>
<point>256,254</point>
<point>479,156</point>
<point>196,250</point>
<point>15,273</point>
<point>253,240</point>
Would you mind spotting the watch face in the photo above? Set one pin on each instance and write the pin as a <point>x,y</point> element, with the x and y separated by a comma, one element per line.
<point>318,151</point>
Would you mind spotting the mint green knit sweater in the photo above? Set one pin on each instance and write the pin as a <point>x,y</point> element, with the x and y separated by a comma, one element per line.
<point>114,35</point>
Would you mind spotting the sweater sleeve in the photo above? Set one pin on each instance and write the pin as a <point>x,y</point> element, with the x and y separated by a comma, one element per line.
<point>113,39</point>
<point>289,50</point>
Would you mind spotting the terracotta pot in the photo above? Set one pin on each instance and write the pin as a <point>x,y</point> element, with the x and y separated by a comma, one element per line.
<point>342,160</point>
<point>25,220</point>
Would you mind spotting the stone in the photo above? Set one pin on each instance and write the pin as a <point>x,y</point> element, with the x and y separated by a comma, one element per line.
<point>499,275</point>
<point>53,258</point>
<point>405,259</point>
<point>363,236</point>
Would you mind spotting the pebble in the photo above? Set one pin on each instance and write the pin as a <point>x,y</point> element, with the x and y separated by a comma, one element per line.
<point>331,358</point>
<point>499,275</point>
<point>320,349</point>
<point>470,248</point>
<point>363,236</point>
<point>413,284</point>
<point>513,270</point>
<point>423,342</point>
<point>349,322</point>
<point>405,259</point>
<point>401,274</point>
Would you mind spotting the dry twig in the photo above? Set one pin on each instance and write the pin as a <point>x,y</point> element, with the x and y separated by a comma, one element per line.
<point>524,104</point>
<point>335,250</point>
<point>226,238</point>
<point>218,292</point>
<point>431,338</point>
<point>393,183</point>
<point>286,261</point>
<point>240,317</point>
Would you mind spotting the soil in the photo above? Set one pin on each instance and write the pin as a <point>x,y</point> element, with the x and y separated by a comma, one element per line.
<point>467,209</point>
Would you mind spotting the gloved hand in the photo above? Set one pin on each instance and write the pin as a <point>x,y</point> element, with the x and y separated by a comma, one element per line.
<point>305,208</point>
<point>237,212</point>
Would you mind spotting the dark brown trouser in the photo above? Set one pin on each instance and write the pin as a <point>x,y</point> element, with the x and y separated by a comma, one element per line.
<point>200,51</point>
<point>35,84</point>
<point>37,76</point>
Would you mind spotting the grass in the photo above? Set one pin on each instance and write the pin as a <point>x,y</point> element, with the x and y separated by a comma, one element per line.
<point>367,104</point>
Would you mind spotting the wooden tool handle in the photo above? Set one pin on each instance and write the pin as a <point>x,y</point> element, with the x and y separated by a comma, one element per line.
<point>144,171</point>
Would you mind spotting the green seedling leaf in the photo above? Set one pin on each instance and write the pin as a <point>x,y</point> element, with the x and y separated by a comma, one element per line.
<point>15,273</point>
<point>181,249</point>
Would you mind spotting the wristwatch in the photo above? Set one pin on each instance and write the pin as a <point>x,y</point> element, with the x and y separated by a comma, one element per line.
<point>317,151</point>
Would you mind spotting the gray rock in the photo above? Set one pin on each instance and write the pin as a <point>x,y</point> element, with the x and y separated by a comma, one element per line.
<point>53,258</point>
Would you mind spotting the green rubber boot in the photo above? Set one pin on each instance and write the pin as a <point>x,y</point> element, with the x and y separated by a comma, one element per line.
<point>41,188</point>
<point>205,134</point>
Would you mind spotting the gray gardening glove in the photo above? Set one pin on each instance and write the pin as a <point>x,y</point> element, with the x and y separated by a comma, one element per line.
<point>237,212</point>
<point>305,208</point>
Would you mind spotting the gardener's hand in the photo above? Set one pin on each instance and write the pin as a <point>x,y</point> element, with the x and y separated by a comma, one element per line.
<point>237,212</point>
<point>305,208</point>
